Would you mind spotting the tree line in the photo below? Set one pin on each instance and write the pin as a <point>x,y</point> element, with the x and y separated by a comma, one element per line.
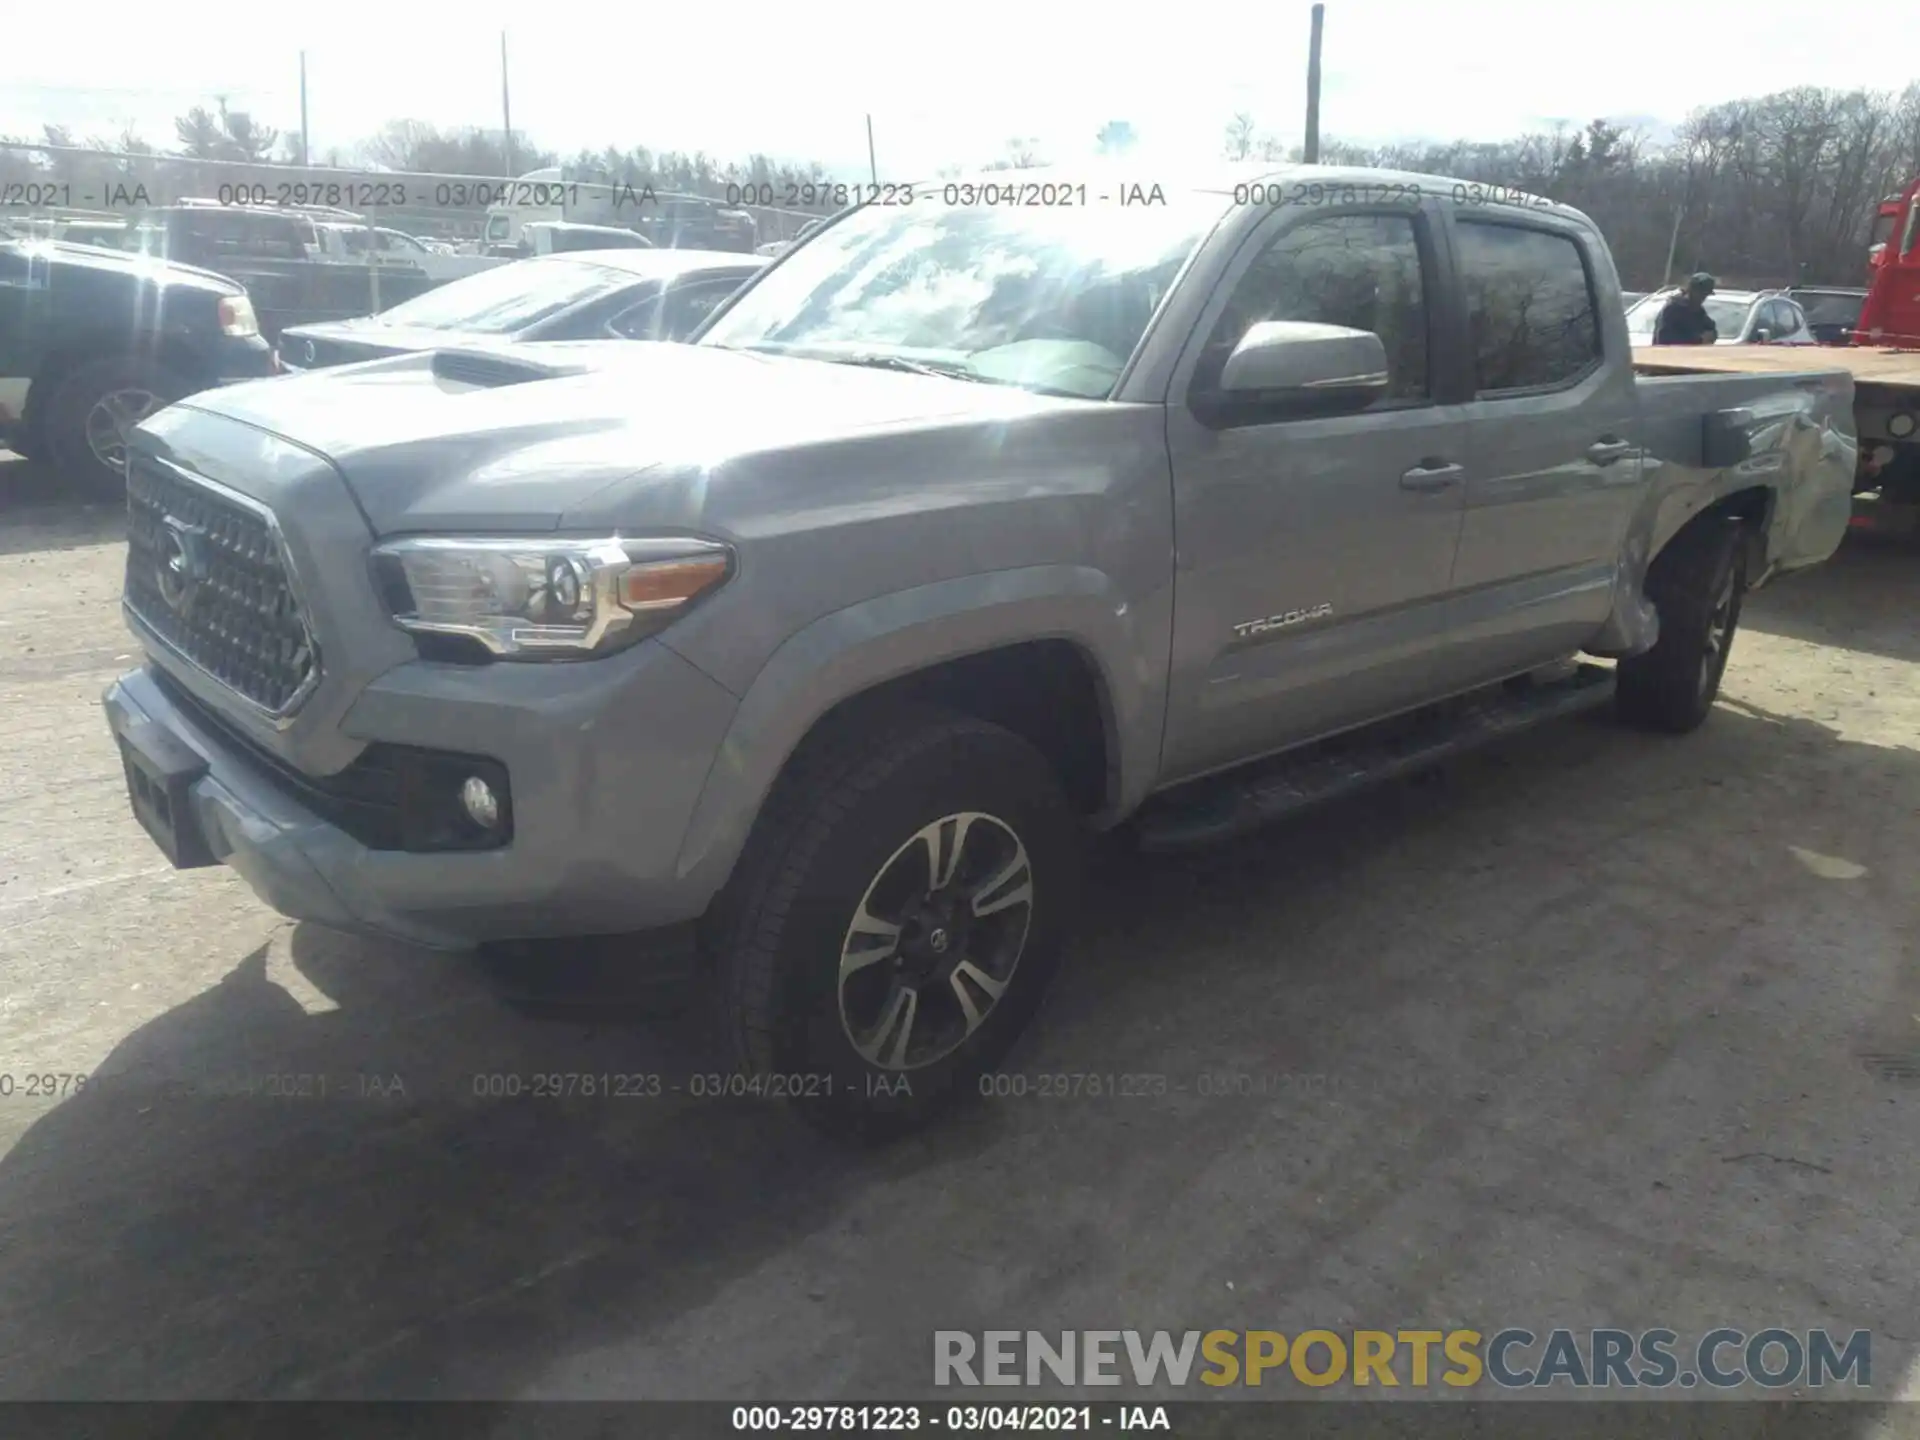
<point>1777,189</point>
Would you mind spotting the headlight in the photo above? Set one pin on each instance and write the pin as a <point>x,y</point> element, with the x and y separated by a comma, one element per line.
<point>546,599</point>
<point>237,317</point>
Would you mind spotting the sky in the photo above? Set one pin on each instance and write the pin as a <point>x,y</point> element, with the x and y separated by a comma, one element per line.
<point>944,86</point>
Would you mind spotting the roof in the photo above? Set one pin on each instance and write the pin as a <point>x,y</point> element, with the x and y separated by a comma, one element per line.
<point>1220,177</point>
<point>1739,297</point>
<point>576,227</point>
<point>654,264</point>
<point>94,257</point>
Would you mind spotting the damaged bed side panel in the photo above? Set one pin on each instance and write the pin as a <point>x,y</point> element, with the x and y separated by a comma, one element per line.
<point>1784,444</point>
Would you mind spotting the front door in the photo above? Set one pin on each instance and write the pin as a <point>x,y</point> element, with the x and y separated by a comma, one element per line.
<point>1313,556</point>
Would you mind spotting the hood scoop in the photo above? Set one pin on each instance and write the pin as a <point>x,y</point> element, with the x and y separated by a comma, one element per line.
<point>466,367</point>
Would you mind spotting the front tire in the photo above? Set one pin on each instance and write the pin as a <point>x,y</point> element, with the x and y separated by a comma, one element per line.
<point>897,919</point>
<point>92,412</point>
<point>1697,585</point>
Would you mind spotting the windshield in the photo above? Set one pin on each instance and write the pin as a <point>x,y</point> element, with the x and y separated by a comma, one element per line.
<point>1049,299</point>
<point>507,298</point>
<point>1729,316</point>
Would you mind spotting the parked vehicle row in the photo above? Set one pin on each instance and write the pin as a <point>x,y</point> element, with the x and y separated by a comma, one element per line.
<point>811,651</point>
<point>545,197</point>
<point>1742,317</point>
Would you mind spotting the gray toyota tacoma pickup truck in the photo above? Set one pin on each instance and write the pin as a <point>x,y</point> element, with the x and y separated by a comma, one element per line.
<point>816,648</point>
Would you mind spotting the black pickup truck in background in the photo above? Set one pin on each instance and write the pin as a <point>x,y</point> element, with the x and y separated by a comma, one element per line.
<point>692,223</point>
<point>93,341</point>
<point>272,252</point>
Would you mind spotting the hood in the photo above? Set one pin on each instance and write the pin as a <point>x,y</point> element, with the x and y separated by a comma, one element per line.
<point>501,436</point>
<point>147,267</point>
<point>342,342</point>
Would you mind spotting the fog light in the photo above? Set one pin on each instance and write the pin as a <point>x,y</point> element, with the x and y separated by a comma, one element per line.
<point>1901,426</point>
<point>483,806</point>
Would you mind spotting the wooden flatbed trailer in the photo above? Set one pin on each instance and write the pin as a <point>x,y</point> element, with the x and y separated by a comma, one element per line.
<point>1886,409</point>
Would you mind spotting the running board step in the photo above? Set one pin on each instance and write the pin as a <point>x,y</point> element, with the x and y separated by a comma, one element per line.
<point>1216,809</point>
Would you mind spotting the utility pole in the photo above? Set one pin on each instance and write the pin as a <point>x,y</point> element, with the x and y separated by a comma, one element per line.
<point>1310,152</point>
<point>303,108</point>
<point>506,106</point>
<point>1673,244</point>
<point>873,166</point>
<point>1679,213</point>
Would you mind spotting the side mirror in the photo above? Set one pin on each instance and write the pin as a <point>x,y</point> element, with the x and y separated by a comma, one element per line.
<point>1762,335</point>
<point>1295,368</point>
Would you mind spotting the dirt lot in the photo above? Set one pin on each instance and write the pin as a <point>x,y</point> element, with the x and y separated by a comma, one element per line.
<point>1597,1029</point>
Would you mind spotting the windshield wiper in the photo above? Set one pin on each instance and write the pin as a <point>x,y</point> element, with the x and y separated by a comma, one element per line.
<point>900,362</point>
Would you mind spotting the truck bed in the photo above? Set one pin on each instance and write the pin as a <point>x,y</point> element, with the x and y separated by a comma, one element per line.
<point>1886,395</point>
<point>1898,369</point>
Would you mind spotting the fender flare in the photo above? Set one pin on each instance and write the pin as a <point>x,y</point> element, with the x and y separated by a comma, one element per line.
<point>853,650</point>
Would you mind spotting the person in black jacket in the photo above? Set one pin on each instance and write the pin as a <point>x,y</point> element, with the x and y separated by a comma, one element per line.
<point>1684,320</point>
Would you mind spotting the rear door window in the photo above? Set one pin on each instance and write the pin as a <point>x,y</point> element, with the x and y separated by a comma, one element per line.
<point>1530,306</point>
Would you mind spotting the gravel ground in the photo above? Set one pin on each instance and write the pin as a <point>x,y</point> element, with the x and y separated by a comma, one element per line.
<point>1592,1029</point>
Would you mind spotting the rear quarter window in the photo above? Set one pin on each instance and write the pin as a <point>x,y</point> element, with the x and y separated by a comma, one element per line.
<point>1530,306</point>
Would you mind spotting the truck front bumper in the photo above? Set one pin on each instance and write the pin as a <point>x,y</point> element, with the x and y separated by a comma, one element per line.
<point>605,771</point>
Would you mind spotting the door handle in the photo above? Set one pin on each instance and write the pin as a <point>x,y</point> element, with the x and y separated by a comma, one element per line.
<point>1431,475</point>
<point>1605,452</point>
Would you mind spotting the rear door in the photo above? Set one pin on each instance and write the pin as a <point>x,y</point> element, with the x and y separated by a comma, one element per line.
<point>1552,469</point>
<point>1313,556</point>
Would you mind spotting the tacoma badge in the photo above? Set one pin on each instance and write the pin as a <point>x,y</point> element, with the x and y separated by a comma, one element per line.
<point>1282,620</point>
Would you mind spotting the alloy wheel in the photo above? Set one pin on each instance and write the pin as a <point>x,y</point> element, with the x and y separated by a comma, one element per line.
<point>935,941</point>
<point>112,418</point>
<point>1719,633</point>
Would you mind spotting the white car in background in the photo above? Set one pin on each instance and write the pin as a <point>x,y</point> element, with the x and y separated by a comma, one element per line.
<point>780,247</point>
<point>1743,317</point>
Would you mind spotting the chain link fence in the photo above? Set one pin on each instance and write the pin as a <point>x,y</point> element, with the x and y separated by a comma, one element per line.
<point>360,240</point>
<point>48,181</point>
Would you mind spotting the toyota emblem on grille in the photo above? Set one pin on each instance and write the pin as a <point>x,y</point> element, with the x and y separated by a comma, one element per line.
<point>182,564</point>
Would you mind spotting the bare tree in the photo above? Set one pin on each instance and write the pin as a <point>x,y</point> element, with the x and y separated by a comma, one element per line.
<point>1770,190</point>
<point>199,134</point>
<point>1240,131</point>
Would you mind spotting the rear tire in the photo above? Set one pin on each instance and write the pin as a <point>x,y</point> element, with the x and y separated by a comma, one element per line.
<point>1697,585</point>
<point>853,981</point>
<point>92,412</point>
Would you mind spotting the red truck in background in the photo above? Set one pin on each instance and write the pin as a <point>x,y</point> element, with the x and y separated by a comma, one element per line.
<point>1890,316</point>
<point>1882,350</point>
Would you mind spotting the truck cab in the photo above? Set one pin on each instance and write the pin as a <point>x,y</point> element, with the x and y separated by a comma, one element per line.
<point>1890,316</point>
<point>532,198</point>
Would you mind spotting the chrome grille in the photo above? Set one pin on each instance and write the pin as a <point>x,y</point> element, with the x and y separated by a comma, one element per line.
<point>205,572</point>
